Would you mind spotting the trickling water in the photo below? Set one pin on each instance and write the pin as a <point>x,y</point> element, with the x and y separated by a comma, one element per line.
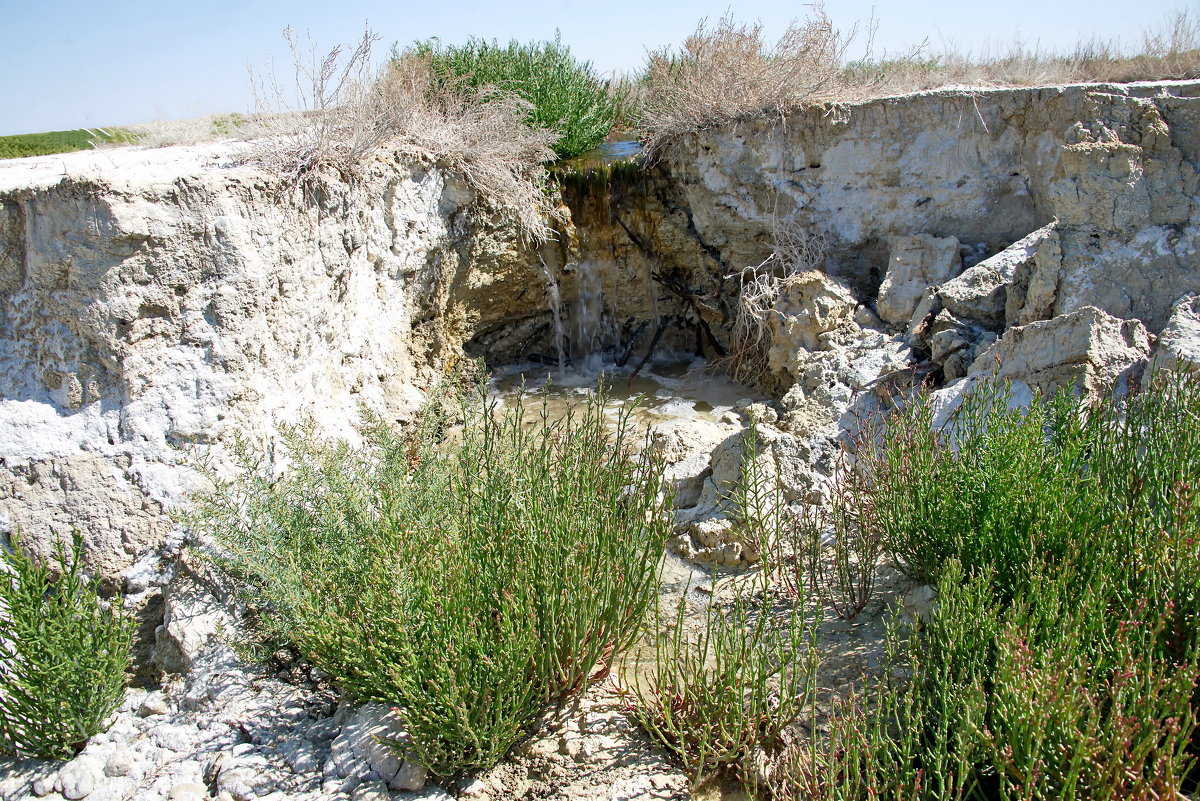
<point>591,334</point>
<point>556,313</point>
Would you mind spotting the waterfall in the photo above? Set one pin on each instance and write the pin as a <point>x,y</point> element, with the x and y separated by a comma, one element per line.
<point>555,299</point>
<point>592,332</point>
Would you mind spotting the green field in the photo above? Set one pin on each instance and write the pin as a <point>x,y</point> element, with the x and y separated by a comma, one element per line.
<point>42,144</point>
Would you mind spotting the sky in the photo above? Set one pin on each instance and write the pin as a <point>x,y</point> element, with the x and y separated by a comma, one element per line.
<point>85,63</point>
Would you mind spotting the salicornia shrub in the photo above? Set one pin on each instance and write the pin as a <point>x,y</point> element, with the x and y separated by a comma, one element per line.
<point>724,684</point>
<point>1061,658</point>
<point>63,655</point>
<point>468,581</point>
<point>726,678</point>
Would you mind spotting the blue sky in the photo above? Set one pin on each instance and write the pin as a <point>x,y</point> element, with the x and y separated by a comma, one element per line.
<point>75,63</point>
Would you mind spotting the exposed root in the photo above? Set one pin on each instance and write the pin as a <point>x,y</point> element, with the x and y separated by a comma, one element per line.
<point>797,251</point>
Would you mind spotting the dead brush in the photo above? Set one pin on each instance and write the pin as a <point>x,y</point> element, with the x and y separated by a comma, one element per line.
<point>798,250</point>
<point>727,72</point>
<point>325,117</point>
<point>1168,51</point>
<point>340,110</point>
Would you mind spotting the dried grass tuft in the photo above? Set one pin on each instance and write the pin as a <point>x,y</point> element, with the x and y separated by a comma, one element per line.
<point>194,131</point>
<point>341,110</point>
<point>1170,51</point>
<point>727,73</point>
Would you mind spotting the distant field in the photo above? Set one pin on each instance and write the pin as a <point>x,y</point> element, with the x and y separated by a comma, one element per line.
<point>43,144</point>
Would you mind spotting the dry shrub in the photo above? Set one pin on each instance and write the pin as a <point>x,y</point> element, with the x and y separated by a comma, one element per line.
<point>484,138</point>
<point>193,131</point>
<point>331,115</point>
<point>1166,52</point>
<point>797,251</point>
<point>727,73</point>
<point>341,109</point>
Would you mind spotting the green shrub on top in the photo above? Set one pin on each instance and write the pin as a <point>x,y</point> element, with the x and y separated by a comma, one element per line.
<point>469,584</point>
<point>564,94</point>
<point>63,656</point>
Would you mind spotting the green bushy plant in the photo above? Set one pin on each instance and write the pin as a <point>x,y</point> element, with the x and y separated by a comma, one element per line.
<point>911,733</point>
<point>725,683</point>
<point>1051,697</point>
<point>468,584</point>
<point>63,656</point>
<point>722,692</point>
<point>564,94</point>
<point>1061,658</point>
<point>1002,487</point>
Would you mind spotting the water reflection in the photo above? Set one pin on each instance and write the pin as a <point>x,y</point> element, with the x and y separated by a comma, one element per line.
<point>666,389</point>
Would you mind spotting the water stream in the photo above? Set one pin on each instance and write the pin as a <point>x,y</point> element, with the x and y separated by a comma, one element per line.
<point>555,301</point>
<point>670,387</point>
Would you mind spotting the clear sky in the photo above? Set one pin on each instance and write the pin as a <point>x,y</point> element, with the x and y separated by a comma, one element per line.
<point>82,63</point>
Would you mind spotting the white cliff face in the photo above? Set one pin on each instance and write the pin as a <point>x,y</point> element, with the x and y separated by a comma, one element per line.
<point>1058,200</point>
<point>1115,165</point>
<point>154,304</point>
<point>155,300</point>
<point>1042,235</point>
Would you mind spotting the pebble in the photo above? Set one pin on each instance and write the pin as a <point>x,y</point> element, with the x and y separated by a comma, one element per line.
<point>323,730</point>
<point>44,785</point>
<point>371,791</point>
<point>78,778</point>
<point>154,704</point>
<point>920,603</point>
<point>188,791</point>
<point>432,794</point>
<point>410,777</point>
<point>120,762</point>
<point>249,777</point>
<point>476,789</point>
<point>300,755</point>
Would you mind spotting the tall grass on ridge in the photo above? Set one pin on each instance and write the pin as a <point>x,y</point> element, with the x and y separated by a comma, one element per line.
<point>468,585</point>
<point>341,111</point>
<point>564,95</point>
<point>727,72</point>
